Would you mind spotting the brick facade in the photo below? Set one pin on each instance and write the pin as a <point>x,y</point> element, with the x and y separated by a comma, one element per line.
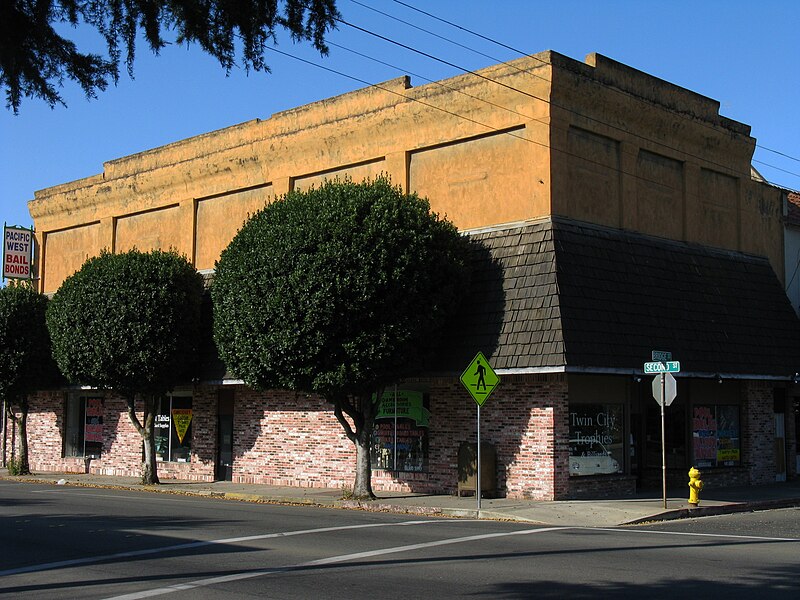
<point>297,440</point>
<point>288,438</point>
<point>758,432</point>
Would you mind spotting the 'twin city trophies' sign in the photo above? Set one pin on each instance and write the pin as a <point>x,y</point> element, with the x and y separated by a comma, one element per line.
<point>17,252</point>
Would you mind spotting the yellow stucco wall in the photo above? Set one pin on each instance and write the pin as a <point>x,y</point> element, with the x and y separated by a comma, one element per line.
<point>636,152</point>
<point>68,249</point>
<point>598,141</point>
<point>160,228</point>
<point>220,217</point>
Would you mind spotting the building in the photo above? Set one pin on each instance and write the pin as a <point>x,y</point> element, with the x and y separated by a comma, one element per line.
<point>618,216</point>
<point>792,254</point>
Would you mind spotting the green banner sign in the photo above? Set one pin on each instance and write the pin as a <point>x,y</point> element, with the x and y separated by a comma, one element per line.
<point>408,405</point>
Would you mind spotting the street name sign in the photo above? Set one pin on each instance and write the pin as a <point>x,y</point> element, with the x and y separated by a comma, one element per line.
<point>479,378</point>
<point>660,355</point>
<point>669,366</point>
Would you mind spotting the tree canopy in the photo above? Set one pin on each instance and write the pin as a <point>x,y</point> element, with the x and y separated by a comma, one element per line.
<point>338,291</point>
<point>129,322</point>
<point>26,362</point>
<point>36,58</point>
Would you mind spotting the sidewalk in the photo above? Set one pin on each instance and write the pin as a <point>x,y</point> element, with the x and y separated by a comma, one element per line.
<point>584,513</point>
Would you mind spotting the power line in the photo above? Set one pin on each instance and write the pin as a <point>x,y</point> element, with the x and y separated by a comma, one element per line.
<point>523,53</point>
<point>505,131</point>
<point>432,33</point>
<point>488,39</point>
<point>761,162</point>
<point>391,91</point>
<point>534,96</point>
<point>439,83</point>
<point>778,152</point>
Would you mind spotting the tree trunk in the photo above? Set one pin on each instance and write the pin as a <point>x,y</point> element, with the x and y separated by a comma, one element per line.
<point>21,422</point>
<point>146,430</point>
<point>362,487</point>
<point>22,432</point>
<point>362,411</point>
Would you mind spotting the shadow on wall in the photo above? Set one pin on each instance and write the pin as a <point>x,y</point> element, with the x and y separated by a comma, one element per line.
<point>478,322</point>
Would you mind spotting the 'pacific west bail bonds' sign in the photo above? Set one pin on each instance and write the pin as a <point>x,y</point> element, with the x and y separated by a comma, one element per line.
<point>17,253</point>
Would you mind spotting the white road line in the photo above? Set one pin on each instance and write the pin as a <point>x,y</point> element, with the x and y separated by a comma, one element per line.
<point>147,496</point>
<point>695,534</point>
<point>323,561</point>
<point>134,553</point>
<point>165,496</point>
<point>399,549</point>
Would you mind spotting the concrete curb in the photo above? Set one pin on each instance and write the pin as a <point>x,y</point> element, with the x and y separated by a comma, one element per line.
<point>387,506</point>
<point>722,509</point>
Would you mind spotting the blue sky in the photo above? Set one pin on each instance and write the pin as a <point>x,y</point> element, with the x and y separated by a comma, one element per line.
<point>742,53</point>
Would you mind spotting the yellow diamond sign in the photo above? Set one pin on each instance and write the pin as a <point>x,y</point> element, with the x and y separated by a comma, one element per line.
<point>480,379</point>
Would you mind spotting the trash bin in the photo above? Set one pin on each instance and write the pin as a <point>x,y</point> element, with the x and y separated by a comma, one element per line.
<point>468,468</point>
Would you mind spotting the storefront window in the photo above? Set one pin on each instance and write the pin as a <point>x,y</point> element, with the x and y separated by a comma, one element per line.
<point>596,442</point>
<point>400,437</point>
<point>83,430</point>
<point>173,429</point>
<point>715,435</point>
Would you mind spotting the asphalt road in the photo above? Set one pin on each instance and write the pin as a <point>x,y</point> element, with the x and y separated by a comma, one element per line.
<point>69,542</point>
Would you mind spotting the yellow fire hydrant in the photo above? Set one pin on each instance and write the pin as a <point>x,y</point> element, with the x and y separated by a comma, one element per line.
<point>695,485</point>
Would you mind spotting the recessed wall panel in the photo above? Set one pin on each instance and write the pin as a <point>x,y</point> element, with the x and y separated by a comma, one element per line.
<point>66,251</point>
<point>221,217</point>
<point>593,177</point>
<point>481,181</point>
<point>156,229</point>
<point>717,208</point>
<point>357,173</point>
<point>659,195</point>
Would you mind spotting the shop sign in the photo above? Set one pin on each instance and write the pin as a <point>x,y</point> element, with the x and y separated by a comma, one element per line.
<point>596,439</point>
<point>182,417</point>
<point>404,404</point>
<point>17,252</point>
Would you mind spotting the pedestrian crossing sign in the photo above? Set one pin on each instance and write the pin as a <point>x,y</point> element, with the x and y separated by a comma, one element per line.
<point>479,378</point>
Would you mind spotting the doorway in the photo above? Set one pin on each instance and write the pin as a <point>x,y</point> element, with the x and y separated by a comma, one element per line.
<point>780,434</point>
<point>224,471</point>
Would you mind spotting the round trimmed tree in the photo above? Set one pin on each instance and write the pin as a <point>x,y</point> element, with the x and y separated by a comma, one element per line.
<point>338,291</point>
<point>26,362</point>
<point>129,322</point>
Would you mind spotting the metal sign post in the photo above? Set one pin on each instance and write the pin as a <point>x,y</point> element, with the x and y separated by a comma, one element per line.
<point>662,402</point>
<point>478,478</point>
<point>664,392</point>
<point>480,380</point>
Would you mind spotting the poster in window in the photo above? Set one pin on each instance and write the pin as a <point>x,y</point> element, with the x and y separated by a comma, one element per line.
<point>704,436</point>
<point>715,436</point>
<point>400,436</point>
<point>728,453</point>
<point>162,426</point>
<point>596,443</point>
<point>93,431</point>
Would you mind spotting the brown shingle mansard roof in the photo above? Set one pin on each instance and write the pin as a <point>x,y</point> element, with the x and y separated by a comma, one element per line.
<point>793,209</point>
<point>564,295</point>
